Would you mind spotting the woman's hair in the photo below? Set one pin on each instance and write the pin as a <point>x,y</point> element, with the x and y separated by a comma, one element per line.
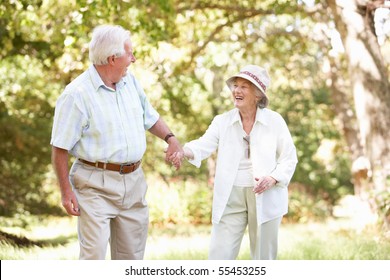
<point>107,40</point>
<point>263,101</point>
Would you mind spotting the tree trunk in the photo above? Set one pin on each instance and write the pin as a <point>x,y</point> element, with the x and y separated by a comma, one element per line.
<point>341,100</point>
<point>218,83</point>
<point>369,84</point>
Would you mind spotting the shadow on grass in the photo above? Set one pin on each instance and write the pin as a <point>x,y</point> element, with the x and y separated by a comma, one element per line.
<point>24,242</point>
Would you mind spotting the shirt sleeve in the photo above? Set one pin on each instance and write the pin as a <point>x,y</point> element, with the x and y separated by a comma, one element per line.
<point>286,156</point>
<point>151,116</point>
<point>68,124</point>
<point>203,147</point>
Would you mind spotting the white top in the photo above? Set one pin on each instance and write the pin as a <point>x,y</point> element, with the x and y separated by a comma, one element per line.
<point>272,153</point>
<point>244,177</point>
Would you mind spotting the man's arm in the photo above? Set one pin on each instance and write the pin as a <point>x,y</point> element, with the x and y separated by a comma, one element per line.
<point>60,159</point>
<point>161,130</point>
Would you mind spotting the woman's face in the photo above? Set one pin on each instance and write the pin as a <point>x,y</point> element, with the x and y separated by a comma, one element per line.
<point>244,95</point>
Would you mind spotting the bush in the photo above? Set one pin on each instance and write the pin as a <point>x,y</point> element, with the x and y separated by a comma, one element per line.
<point>382,202</point>
<point>305,206</point>
<point>180,202</point>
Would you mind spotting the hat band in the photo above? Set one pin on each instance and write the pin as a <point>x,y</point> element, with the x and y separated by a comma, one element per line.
<point>255,78</point>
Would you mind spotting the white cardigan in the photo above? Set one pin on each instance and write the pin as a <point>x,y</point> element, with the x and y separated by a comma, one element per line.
<point>272,153</point>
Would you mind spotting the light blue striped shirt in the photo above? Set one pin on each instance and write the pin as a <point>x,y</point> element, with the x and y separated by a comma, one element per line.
<point>96,123</point>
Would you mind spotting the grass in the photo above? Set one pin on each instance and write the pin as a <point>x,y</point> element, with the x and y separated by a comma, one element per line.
<point>56,239</point>
<point>53,239</point>
<point>327,242</point>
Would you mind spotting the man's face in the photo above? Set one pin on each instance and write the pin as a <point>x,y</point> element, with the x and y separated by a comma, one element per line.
<point>124,61</point>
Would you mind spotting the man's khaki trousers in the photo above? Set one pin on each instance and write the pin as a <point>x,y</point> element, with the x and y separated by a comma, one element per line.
<point>112,209</point>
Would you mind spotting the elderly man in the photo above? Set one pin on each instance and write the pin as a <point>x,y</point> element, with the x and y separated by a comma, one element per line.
<point>101,119</point>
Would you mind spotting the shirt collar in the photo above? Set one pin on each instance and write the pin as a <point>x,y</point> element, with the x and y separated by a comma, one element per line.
<point>261,116</point>
<point>98,82</point>
<point>236,117</point>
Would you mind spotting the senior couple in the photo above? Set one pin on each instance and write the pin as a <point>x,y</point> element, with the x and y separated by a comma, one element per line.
<point>101,118</point>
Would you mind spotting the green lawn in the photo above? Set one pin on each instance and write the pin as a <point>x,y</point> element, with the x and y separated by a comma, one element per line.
<point>56,239</point>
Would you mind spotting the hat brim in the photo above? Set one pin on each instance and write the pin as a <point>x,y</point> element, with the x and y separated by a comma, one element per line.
<point>231,80</point>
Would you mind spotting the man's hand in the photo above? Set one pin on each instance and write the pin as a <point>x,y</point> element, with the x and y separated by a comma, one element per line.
<point>69,202</point>
<point>60,164</point>
<point>174,153</point>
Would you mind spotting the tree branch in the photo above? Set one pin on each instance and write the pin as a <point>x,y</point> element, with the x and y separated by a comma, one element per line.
<point>211,37</point>
<point>212,6</point>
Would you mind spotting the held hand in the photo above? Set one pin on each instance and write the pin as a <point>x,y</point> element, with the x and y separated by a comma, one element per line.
<point>174,153</point>
<point>263,184</point>
<point>176,159</point>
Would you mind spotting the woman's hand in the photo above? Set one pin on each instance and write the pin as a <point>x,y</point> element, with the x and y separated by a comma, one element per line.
<point>263,184</point>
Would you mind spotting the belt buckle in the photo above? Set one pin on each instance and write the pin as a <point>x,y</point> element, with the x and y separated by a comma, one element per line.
<point>133,164</point>
<point>124,165</point>
<point>121,169</point>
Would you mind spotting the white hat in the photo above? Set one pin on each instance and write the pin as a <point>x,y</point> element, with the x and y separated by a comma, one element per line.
<point>255,74</point>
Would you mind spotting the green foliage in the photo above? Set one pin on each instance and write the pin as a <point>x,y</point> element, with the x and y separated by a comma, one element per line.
<point>185,51</point>
<point>25,118</point>
<point>182,202</point>
<point>43,47</point>
<point>382,201</point>
<point>305,206</point>
<point>323,161</point>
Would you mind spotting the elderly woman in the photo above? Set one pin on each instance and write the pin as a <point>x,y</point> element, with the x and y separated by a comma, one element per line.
<point>255,163</point>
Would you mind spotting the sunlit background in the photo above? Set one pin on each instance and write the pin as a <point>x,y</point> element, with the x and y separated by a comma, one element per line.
<point>329,65</point>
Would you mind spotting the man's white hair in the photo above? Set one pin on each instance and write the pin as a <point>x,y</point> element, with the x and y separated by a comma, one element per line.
<point>107,40</point>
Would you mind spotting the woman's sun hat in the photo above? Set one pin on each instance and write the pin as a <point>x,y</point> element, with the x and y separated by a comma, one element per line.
<point>255,74</point>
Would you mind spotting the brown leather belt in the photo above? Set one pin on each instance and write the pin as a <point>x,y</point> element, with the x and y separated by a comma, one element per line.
<point>124,168</point>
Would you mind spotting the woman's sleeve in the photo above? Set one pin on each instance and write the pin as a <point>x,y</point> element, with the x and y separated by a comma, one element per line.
<point>207,144</point>
<point>286,156</point>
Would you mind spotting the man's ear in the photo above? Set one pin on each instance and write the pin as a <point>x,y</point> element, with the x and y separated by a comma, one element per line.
<point>111,59</point>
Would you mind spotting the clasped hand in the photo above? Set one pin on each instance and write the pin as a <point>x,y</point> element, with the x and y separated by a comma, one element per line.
<point>174,154</point>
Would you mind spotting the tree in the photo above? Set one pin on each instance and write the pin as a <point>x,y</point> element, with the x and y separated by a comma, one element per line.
<point>278,35</point>
<point>370,87</point>
<point>364,73</point>
<point>43,45</point>
<point>185,50</point>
